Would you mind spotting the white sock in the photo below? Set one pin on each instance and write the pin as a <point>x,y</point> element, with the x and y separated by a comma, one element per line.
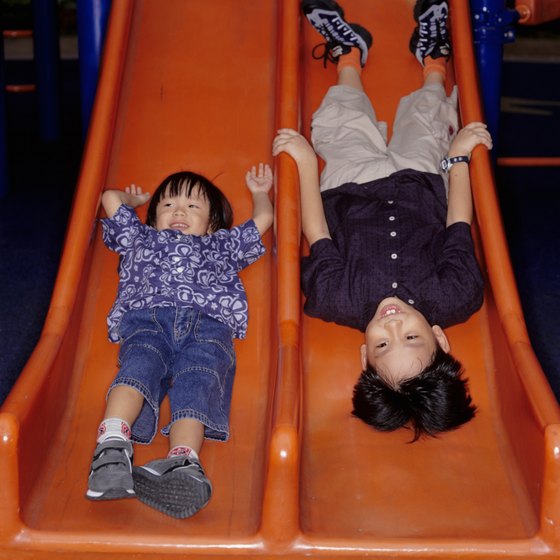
<point>113,428</point>
<point>183,451</point>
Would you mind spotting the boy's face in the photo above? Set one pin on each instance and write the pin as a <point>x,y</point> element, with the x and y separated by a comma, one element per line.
<point>399,341</point>
<point>187,214</point>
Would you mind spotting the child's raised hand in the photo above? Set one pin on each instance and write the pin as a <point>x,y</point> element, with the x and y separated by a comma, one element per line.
<point>468,138</point>
<point>135,197</point>
<point>131,196</point>
<point>294,144</point>
<point>259,179</point>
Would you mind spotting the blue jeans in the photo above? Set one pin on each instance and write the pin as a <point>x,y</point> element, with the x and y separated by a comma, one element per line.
<point>185,354</point>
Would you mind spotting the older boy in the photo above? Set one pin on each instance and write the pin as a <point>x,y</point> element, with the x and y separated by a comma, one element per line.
<point>391,252</point>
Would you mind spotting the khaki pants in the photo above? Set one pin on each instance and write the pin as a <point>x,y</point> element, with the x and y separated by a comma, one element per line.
<point>353,143</point>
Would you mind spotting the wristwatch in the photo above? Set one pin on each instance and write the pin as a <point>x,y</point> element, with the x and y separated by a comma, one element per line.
<point>448,162</point>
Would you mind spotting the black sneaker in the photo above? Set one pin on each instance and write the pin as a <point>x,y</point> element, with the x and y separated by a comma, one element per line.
<point>176,486</point>
<point>430,37</point>
<point>327,17</point>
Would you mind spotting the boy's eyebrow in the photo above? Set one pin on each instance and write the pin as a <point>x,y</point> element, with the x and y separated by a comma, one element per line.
<point>410,343</point>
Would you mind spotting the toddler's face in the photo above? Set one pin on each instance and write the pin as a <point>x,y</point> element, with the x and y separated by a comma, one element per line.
<point>187,214</point>
<point>399,341</point>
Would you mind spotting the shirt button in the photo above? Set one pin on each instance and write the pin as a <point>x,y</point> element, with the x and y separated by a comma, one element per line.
<point>391,218</point>
<point>180,269</point>
<point>393,234</point>
<point>390,201</point>
<point>394,285</point>
<point>411,301</point>
<point>394,256</point>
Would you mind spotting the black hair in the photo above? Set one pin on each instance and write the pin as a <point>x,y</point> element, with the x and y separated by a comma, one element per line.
<point>436,400</point>
<point>221,214</point>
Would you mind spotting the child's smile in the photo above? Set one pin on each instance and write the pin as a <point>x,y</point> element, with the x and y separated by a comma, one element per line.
<point>391,309</point>
<point>187,214</point>
<point>399,341</point>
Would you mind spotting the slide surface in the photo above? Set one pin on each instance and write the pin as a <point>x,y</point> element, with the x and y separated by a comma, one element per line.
<point>190,84</point>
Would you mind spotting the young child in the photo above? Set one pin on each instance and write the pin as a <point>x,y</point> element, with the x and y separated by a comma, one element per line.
<point>179,306</point>
<point>391,253</point>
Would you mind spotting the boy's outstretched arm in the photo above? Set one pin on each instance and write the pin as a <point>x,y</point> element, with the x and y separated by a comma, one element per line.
<point>460,205</point>
<point>131,196</point>
<point>259,181</point>
<point>313,221</point>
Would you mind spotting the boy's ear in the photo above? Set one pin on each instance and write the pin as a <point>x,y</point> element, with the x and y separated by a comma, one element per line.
<point>441,338</point>
<point>363,356</point>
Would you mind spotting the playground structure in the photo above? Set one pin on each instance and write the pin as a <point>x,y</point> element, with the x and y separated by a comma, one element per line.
<point>300,475</point>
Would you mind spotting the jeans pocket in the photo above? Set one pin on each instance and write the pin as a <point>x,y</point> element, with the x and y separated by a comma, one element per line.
<point>212,331</point>
<point>136,322</point>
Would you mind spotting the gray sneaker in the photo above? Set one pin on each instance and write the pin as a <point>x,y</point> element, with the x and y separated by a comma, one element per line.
<point>110,477</point>
<point>176,486</point>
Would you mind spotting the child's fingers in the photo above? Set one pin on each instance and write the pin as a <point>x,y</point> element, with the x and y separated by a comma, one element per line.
<point>282,139</point>
<point>288,131</point>
<point>483,136</point>
<point>472,135</point>
<point>476,124</point>
<point>286,135</point>
<point>479,129</point>
<point>136,190</point>
<point>281,144</point>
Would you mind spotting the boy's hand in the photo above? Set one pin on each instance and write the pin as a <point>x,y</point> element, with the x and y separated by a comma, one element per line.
<point>460,205</point>
<point>294,144</point>
<point>135,197</point>
<point>468,138</point>
<point>259,179</point>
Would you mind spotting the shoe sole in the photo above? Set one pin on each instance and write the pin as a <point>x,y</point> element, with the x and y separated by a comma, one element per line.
<point>424,5</point>
<point>415,37</point>
<point>112,494</point>
<point>176,494</point>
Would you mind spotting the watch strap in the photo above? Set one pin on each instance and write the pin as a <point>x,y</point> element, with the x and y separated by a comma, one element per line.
<point>448,162</point>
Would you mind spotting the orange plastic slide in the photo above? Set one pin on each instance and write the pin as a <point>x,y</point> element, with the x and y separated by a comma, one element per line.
<point>191,84</point>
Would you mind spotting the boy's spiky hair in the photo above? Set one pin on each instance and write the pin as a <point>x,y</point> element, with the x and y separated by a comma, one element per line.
<point>436,400</point>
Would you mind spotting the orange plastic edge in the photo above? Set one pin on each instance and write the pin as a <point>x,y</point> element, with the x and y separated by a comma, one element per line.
<point>27,389</point>
<point>501,277</point>
<point>280,523</point>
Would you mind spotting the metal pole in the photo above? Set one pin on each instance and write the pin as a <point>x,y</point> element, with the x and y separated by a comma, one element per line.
<point>46,53</point>
<point>92,24</point>
<point>3,131</point>
<point>492,25</point>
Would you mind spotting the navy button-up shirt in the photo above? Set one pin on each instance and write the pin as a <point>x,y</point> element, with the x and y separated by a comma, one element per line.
<point>389,238</point>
